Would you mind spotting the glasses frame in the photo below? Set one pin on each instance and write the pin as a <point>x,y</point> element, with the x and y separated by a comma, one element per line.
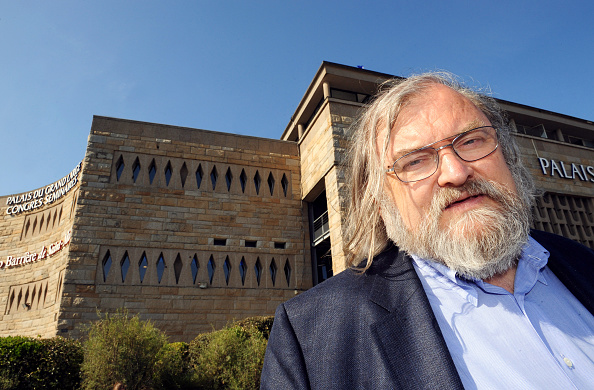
<point>454,138</point>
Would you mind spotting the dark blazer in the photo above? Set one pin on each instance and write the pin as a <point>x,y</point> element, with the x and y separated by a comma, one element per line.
<point>377,331</point>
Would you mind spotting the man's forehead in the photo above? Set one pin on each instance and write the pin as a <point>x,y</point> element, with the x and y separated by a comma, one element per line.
<point>435,113</point>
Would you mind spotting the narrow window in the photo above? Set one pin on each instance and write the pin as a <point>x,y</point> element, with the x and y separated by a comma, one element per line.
<point>285,184</point>
<point>211,268</point>
<point>199,175</point>
<point>124,265</point>
<point>194,266</point>
<point>213,177</point>
<point>243,180</point>
<point>142,266</point>
<point>251,244</point>
<point>152,170</point>
<point>227,269</point>
<point>119,167</point>
<point>258,270</point>
<point>106,265</point>
<point>280,245</point>
<point>242,270</point>
<point>168,173</point>
<point>271,183</point>
<point>160,267</point>
<point>257,182</point>
<point>177,268</point>
<point>183,174</point>
<point>135,169</point>
<point>287,269</point>
<point>228,178</point>
<point>273,269</point>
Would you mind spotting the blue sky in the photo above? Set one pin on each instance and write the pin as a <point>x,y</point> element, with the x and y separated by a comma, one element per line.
<point>242,66</point>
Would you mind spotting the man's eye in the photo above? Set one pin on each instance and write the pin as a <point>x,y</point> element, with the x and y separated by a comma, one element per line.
<point>471,142</point>
<point>415,162</point>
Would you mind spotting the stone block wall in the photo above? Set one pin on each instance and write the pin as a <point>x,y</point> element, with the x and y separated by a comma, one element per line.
<point>35,230</point>
<point>189,228</point>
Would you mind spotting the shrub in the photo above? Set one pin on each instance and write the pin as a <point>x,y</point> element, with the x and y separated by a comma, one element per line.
<point>172,370</point>
<point>232,357</point>
<point>122,349</point>
<point>28,363</point>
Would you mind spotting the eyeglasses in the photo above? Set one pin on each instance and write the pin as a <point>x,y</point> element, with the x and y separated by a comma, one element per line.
<point>472,145</point>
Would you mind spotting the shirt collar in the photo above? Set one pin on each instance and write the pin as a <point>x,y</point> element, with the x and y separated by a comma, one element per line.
<point>533,259</point>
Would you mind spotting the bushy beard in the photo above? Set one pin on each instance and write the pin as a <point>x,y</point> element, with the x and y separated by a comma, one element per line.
<point>480,243</point>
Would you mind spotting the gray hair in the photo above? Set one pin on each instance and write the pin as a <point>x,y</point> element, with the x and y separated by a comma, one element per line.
<point>366,232</point>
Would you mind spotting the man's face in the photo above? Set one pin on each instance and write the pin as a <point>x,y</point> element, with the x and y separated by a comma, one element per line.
<point>437,114</point>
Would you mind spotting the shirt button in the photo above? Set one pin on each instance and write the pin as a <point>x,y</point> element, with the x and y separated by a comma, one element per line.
<point>568,362</point>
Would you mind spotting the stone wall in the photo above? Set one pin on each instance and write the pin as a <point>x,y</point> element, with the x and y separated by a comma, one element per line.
<point>188,228</point>
<point>34,248</point>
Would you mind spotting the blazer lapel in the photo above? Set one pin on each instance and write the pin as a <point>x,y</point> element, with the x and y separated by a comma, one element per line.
<point>409,336</point>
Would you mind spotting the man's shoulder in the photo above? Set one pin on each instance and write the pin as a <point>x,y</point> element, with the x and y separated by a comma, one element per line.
<point>345,288</point>
<point>560,246</point>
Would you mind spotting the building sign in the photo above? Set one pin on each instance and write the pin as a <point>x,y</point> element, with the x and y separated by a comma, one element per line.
<point>45,252</point>
<point>35,199</point>
<point>566,170</point>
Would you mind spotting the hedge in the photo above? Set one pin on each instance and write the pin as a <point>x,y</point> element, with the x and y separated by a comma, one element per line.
<point>125,349</point>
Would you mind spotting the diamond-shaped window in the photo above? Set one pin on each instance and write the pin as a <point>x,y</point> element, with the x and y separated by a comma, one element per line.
<point>258,270</point>
<point>285,184</point>
<point>106,265</point>
<point>243,180</point>
<point>211,269</point>
<point>142,266</point>
<point>135,169</point>
<point>227,269</point>
<point>199,175</point>
<point>228,178</point>
<point>160,267</point>
<point>214,175</point>
<point>125,265</point>
<point>152,170</point>
<point>119,168</point>
<point>183,174</point>
<point>257,182</point>
<point>242,270</point>
<point>168,173</point>
<point>273,269</point>
<point>271,183</point>
<point>177,268</point>
<point>287,269</point>
<point>194,266</point>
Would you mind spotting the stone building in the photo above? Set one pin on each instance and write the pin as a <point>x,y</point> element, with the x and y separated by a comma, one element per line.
<point>193,228</point>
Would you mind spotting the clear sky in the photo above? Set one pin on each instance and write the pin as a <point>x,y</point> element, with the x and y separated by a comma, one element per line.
<point>242,66</point>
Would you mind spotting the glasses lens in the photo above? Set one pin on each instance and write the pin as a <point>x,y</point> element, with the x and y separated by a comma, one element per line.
<point>476,144</point>
<point>416,165</point>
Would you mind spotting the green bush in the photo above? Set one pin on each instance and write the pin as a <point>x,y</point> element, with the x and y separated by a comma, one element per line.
<point>173,369</point>
<point>123,349</point>
<point>232,357</point>
<point>28,363</point>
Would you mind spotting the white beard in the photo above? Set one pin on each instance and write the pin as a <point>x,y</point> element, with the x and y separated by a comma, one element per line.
<point>479,244</point>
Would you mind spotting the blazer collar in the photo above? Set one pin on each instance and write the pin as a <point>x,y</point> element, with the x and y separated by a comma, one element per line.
<point>409,336</point>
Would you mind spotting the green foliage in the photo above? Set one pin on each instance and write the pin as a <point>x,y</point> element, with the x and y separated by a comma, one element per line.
<point>28,363</point>
<point>231,358</point>
<point>122,349</point>
<point>125,349</point>
<point>173,368</point>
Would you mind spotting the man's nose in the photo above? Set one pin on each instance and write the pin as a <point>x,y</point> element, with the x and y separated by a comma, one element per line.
<point>452,170</point>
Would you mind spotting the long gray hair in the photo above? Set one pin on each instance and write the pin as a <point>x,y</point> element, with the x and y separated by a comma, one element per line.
<point>366,232</point>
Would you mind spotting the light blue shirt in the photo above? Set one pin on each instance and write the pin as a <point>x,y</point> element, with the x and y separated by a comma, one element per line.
<point>539,337</point>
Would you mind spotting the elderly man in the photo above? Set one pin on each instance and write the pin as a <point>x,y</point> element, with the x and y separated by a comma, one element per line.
<point>457,292</point>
